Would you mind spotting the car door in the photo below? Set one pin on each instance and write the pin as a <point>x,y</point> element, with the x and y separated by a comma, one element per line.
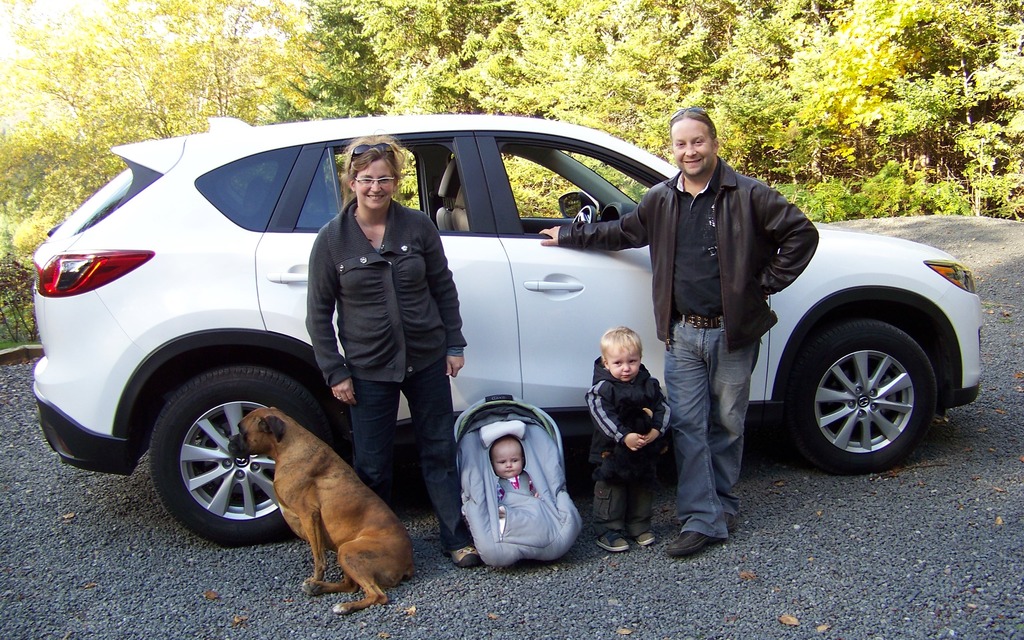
<point>565,298</point>
<point>475,256</point>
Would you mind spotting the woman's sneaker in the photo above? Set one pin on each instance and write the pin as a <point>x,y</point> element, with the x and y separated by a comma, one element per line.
<point>612,541</point>
<point>466,557</point>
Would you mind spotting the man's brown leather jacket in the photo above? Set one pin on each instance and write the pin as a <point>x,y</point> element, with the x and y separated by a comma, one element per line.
<point>764,243</point>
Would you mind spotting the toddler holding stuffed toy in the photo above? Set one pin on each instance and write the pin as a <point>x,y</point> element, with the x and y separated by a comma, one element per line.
<point>630,413</point>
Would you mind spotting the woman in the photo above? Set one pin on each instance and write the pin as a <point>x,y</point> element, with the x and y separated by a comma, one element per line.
<point>382,267</point>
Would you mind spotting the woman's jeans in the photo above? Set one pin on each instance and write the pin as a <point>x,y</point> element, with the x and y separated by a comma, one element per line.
<point>708,389</point>
<point>374,417</point>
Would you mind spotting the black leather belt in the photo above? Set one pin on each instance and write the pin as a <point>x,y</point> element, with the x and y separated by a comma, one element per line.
<point>703,322</point>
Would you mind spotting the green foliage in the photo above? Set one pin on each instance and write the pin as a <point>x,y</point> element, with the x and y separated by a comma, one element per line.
<point>896,190</point>
<point>87,78</point>
<point>17,323</point>
<point>872,107</point>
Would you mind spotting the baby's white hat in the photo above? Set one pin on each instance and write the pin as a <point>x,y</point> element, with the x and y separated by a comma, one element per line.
<point>491,432</point>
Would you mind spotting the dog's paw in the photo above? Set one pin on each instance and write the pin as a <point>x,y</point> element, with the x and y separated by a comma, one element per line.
<point>312,587</point>
<point>342,608</point>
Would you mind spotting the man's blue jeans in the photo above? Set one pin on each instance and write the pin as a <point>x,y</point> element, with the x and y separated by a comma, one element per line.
<point>373,438</point>
<point>708,389</point>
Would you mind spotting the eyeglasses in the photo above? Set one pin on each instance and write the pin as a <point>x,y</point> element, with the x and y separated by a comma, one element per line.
<point>383,147</point>
<point>386,181</point>
<point>685,110</point>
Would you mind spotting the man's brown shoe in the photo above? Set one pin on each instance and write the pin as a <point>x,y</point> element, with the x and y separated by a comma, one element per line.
<point>688,543</point>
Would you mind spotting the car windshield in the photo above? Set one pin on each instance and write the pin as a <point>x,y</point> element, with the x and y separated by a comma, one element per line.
<point>96,207</point>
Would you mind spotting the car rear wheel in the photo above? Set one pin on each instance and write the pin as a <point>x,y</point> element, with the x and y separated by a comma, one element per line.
<point>861,396</point>
<point>225,499</point>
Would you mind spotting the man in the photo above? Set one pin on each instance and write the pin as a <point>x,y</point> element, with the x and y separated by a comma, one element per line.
<point>720,244</point>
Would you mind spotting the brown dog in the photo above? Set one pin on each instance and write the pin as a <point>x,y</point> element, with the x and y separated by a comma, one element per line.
<point>326,504</point>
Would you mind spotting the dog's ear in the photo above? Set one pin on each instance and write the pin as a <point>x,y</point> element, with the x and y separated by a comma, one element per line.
<point>276,426</point>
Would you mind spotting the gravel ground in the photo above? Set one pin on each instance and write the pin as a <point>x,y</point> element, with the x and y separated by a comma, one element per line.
<point>933,549</point>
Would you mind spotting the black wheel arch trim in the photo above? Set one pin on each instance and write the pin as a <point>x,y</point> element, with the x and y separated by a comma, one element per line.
<point>212,348</point>
<point>890,305</point>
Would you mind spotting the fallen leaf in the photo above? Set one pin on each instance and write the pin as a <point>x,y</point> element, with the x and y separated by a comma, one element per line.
<point>822,628</point>
<point>819,513</point>
<point>999,489</point>
<point>384,634</point>
<point>1019,375</point>
<point>1022,458</point>
<point>493,616</point>
<point>748,575</point>
<point>999,521</point>
<point>1001,412</point>
<point>68,516</point>
<point>789,621</point>
<point>210,594</point>
<point>90,585</point>
<point>411,611</point>
<point>623,631</point>
<point>779,483</point>
<point>239,621</point>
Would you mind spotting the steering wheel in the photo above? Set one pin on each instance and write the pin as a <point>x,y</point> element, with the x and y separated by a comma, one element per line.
<point>587,214</point>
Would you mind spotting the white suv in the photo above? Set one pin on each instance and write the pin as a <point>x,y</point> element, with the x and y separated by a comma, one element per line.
<point>173,301</point>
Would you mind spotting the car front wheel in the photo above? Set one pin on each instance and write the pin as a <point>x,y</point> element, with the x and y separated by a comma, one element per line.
<point>861,397</point>
<point>222,498</point>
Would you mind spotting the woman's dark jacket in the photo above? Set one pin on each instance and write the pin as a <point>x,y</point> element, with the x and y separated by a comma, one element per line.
<point>764,243</point>
<point>398,309</point>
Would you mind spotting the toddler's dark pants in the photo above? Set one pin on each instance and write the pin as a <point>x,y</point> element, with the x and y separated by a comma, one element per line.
<point>625,508</point>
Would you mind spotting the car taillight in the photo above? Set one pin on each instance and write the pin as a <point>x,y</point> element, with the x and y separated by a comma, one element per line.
<point>74,273</point>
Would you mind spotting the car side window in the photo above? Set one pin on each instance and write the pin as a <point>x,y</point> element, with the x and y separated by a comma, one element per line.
<point>323,200</point>
<point>327,193</point>
<point>550,183</point>
<point>246,190</point>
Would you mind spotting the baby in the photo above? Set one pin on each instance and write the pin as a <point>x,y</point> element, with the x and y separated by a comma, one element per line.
<point>508,460</point>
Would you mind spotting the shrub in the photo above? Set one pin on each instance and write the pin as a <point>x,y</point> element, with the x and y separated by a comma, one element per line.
<point>17,323</point>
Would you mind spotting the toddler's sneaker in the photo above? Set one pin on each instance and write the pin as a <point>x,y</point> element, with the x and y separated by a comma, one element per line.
<point>644,539</point>
<point>612,541</point>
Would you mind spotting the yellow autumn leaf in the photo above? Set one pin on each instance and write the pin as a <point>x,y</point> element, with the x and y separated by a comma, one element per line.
<point>411,611</point>
<point>789,620</point>
<point>999,521</point>
<point>822,628</point>
<point>622,631</point>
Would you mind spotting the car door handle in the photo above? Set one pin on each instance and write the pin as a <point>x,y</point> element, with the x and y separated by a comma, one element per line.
<point>548,285</point>
<point>287,277</point>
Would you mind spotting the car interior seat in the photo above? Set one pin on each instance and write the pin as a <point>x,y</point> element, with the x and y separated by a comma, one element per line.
<point>452,215</point>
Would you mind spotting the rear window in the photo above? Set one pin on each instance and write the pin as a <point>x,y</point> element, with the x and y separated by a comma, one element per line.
<point>247,190</point>
<point>97,207</point>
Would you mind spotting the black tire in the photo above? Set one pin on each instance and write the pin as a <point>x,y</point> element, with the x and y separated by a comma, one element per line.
<point>236,504</point>
<point>861,396</point>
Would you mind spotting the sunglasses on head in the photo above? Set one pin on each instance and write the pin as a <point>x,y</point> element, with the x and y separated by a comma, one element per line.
<point>685,110</point>
<point>383,147</point>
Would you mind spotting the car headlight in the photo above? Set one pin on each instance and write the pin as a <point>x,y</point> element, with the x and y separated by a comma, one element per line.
<point>955,272</point>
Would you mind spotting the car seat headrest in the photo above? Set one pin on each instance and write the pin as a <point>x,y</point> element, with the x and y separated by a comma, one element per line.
<point>491,432</point>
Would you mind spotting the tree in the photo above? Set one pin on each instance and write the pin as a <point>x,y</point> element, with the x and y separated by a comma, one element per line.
<point>128,70</point>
